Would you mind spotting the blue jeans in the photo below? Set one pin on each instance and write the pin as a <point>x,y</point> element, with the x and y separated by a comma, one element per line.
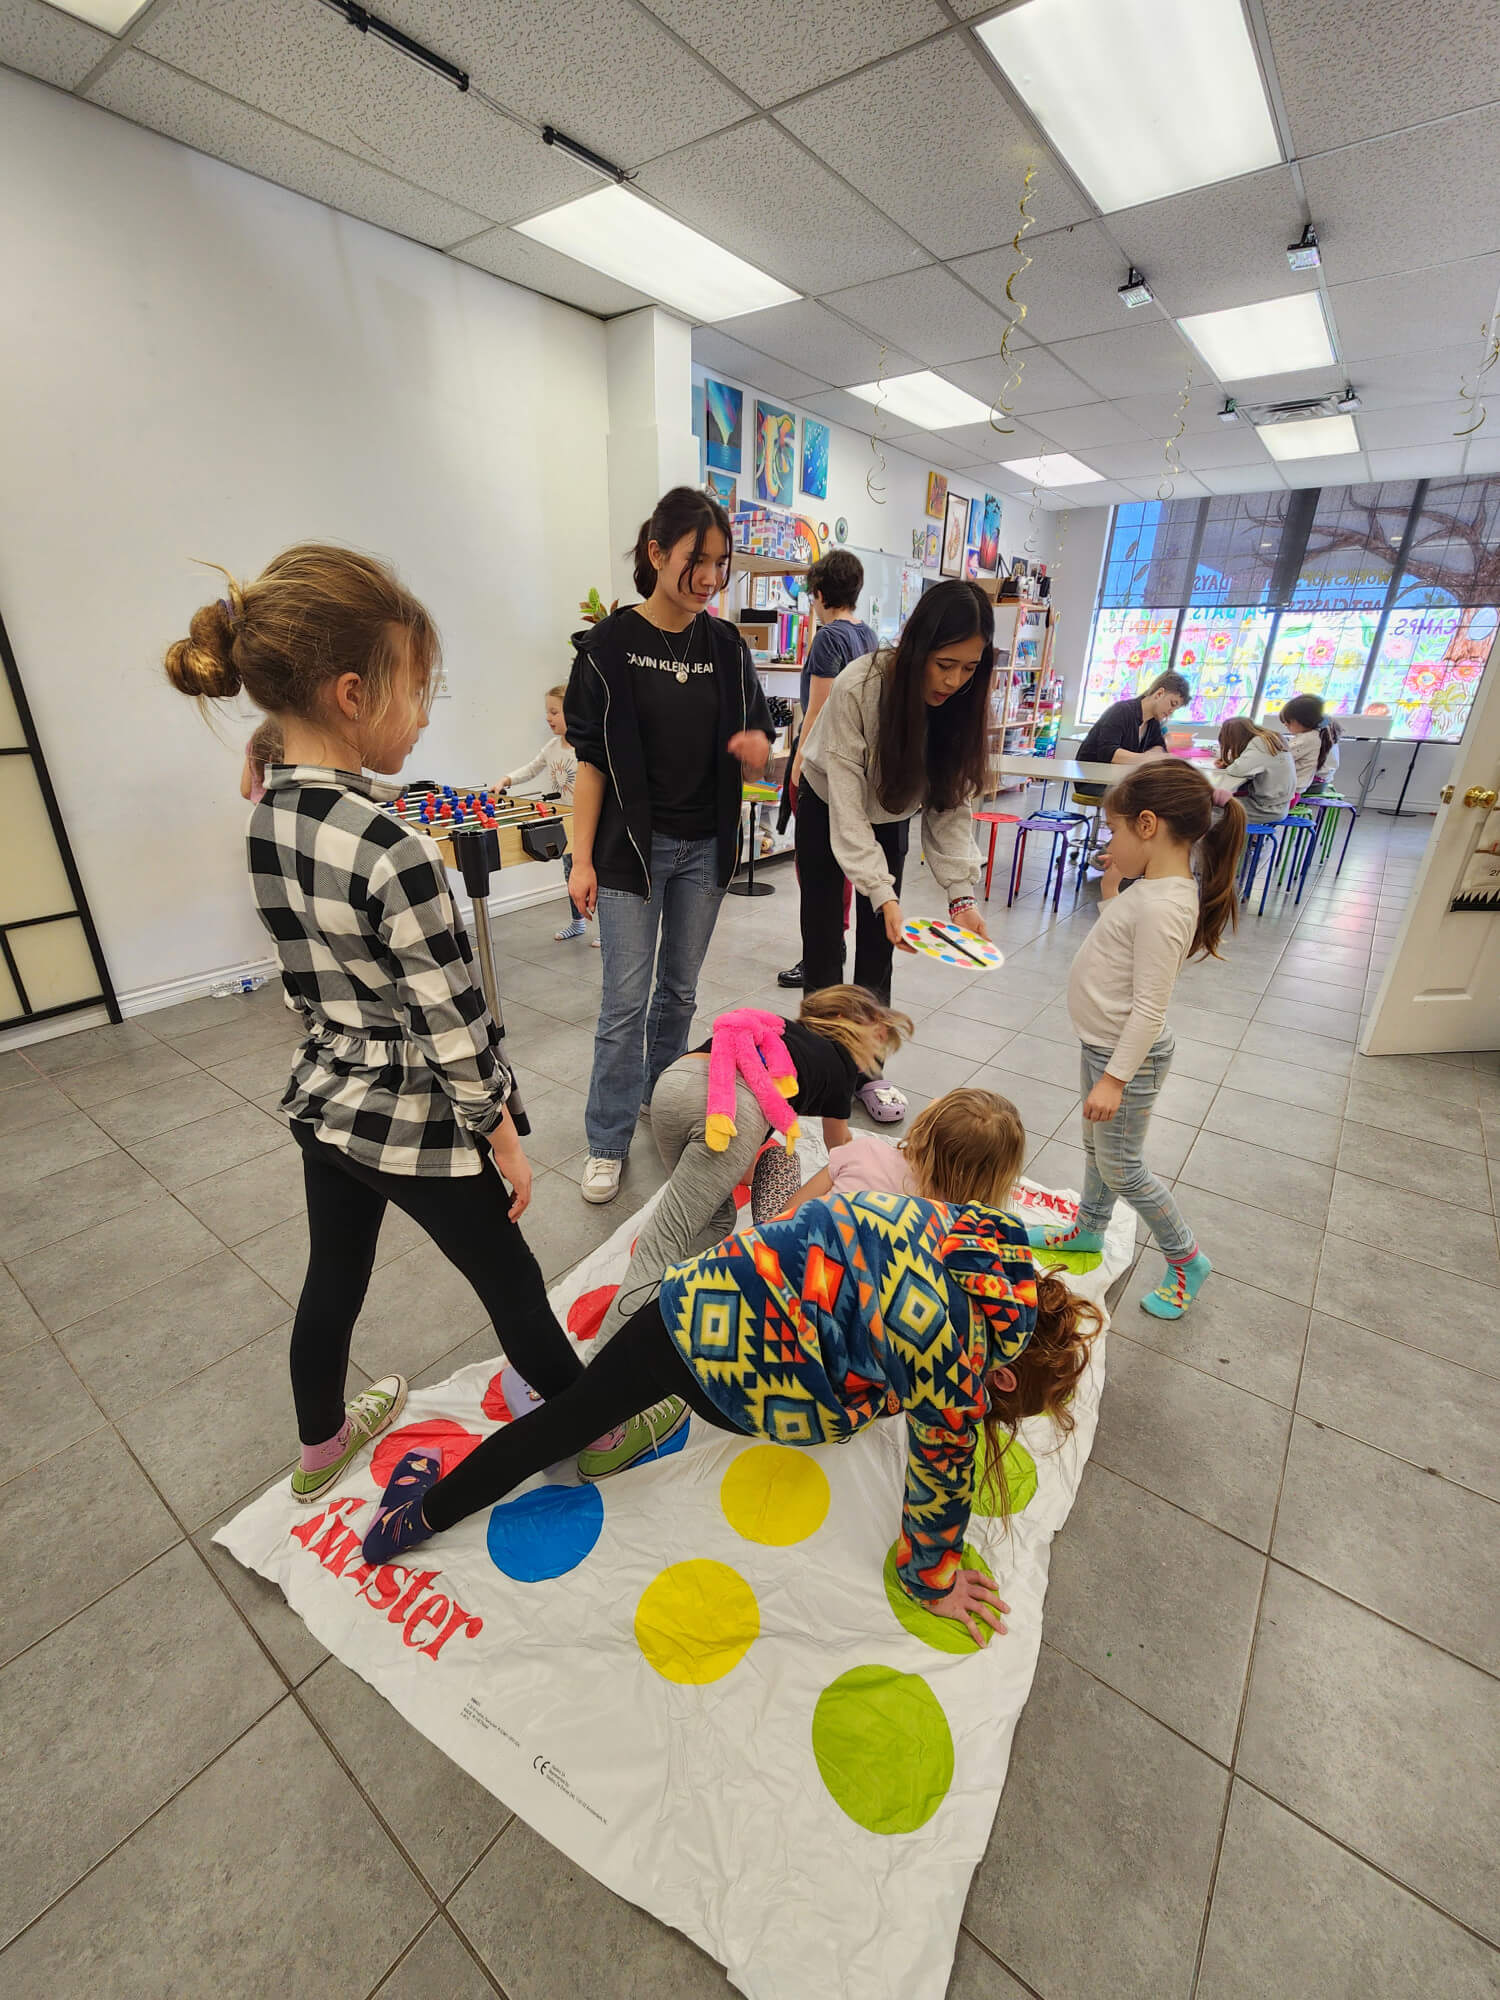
<point>1114,1164</point>
<point>641,1033</point>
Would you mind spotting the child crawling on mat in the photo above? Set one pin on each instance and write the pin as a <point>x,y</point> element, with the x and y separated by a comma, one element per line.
<point>803,1332</point>
<point>958,1149</point>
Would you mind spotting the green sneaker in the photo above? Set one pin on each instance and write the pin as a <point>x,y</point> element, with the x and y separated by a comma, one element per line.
<point>627,1444</point>
<point>374,1410</point>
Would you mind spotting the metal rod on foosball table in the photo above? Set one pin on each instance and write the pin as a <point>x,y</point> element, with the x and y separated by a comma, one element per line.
<point>475,855</point>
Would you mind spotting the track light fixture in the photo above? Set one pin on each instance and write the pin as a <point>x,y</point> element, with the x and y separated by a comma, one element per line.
<point>1348,402</point>
<point>1304,254</point>
<point>1135,291</point>
<point>1230,414</point>
<point>593,161</point>
<point>371,24</point>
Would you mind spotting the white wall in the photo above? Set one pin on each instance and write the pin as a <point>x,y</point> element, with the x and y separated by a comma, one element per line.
<point>194,363</point>
<point>1078,556</point>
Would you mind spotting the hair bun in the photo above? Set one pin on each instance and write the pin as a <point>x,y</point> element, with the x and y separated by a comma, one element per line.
<point>202,664</point>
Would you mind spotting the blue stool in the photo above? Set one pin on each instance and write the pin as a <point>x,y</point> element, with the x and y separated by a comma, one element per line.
<point>1328,809</point>
<point>1058,825</point>
<point>1273,840</point>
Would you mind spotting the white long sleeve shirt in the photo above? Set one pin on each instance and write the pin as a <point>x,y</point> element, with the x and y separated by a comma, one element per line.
<point>1125,970</point>
<point>556,758</point>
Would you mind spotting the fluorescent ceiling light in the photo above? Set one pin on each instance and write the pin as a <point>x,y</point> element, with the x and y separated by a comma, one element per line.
<point>114,16</point>
<point>1058,468</point>
<point>1275,337</point>
<point>1142,98</point>
<point>1317,437</point>
<point>615,232</point>
<point>926,400</point>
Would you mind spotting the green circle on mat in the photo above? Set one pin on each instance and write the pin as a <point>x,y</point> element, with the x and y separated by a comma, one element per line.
<point>1077,1261</point>
<point>884,1748</point>
<point>945,1635</point>
<point>1019,1468</point>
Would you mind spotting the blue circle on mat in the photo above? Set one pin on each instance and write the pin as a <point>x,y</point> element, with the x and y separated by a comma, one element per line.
<point>546,1532</point>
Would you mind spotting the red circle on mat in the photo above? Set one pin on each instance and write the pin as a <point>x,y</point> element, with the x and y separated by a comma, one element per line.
<point>493,1402</point>
<point>449,1440</point>
<point>741,1196</point>
<point>586,1314</point>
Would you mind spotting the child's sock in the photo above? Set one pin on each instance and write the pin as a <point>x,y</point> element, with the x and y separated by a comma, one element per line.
<point>572,930</point>
<point>1047,1236</point>
<point>399,1524</point>
<point>1181,1284</point>
<point>316,1456</point>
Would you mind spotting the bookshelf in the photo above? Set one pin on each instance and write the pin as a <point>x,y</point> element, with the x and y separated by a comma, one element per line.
<point>1025,706</point>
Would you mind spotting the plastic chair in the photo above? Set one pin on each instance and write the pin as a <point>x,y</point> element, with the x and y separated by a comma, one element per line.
<point>1285,840</point>
<point>1328,806</point>
<point>994,821</point>
<point>1058,826</point>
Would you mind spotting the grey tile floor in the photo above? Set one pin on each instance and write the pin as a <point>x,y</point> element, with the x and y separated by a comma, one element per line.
<point>1261,1751</point>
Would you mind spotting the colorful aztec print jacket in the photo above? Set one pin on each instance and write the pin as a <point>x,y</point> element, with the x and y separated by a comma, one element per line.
<point>860,1307</point>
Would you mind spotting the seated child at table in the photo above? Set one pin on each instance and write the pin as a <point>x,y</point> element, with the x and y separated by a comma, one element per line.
<point>557,760</point>
<point>1313,739</point>
<point>1255,766</point>
<point>966,1146</point>
<point>804,1332</point>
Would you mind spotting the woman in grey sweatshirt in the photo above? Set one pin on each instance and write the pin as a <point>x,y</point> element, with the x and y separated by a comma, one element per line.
<point>1255,765</point>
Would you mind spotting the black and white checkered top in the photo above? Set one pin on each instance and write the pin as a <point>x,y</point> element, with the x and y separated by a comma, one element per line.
<point>401,1067</point>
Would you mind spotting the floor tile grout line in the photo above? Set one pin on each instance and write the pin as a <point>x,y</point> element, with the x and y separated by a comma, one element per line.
<point>440,1917</point>
<point>967,1930</point>
<point>1396,1340</point>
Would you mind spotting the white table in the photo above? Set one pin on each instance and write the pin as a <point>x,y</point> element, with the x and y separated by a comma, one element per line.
<point>1060,770</point>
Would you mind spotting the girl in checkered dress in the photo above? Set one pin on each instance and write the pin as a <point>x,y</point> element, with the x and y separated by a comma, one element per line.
<point>399,1091</point>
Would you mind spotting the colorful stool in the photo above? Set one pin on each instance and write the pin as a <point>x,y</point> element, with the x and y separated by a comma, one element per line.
<point>994,821</point>
<point>1058,826</point>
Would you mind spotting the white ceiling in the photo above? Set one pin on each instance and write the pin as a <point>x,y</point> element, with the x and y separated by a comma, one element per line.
<point>867,153</point>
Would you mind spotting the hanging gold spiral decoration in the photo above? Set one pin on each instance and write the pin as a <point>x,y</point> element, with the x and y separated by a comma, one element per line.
<point>1489,333</point>
<point>1056,570</point>
<point>874,486</point>
<point>1172,466</point>
<point>1016,368</point>
<point>1028,547</point>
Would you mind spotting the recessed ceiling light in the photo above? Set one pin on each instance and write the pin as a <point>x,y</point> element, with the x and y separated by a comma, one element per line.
<point>614,231</point>
<point>1135,291</point>
<point>114,16</point>
<point>1058,468</point>
<point>924,399</point>
<point>1317,437</point>
<point>1275,337</point>
<point>1142,98</point>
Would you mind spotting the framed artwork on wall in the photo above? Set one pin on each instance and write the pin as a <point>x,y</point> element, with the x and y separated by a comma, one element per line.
<point>934,549</point>
<point>976,522</point>
<point>937,495</point>
<point>955,531</point>
<point>725,491</point>
<point>775,455</point>
<point>814,458</point>
<point>723,416</point>
<point>989,540</point>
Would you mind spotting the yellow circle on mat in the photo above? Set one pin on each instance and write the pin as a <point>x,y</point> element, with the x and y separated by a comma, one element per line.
<point>696,1622</point>
<point>774,1495</point>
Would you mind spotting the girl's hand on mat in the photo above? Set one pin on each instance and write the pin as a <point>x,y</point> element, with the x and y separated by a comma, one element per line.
<point>583,886</point>
<point>894,920</point>
<point>1103,1101</point>
<point>753,748</point>
<point>974,1600</point>
<point>505,1144</point>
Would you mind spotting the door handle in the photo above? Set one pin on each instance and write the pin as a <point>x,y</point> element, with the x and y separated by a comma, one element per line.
<point>1476,795</point>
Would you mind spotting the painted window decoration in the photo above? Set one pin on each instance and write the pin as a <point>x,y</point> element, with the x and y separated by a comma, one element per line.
<point>775,455</point>
<point>1129,649</point>
<point>723,417</point>
<point>1320,652</point>
<point>814,458</point>
<point>1427,675</point>
<point>1220,649</point>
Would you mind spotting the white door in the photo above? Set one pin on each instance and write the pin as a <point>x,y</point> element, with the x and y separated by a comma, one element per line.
<point>1442,986</point>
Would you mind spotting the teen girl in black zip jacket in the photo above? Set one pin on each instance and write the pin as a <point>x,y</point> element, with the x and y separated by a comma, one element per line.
<point>667,717</point>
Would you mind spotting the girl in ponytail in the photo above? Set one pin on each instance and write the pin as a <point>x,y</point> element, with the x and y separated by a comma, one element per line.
<point>1313,738</point>
<point>1118,991</point>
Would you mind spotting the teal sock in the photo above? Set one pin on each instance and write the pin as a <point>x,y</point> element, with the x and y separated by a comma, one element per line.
<point>1047,1236</point>
<point>1181,1283</point>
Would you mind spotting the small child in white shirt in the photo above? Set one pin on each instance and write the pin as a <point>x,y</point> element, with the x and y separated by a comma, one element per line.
<point>1313,739</point>
<point>556,758</point>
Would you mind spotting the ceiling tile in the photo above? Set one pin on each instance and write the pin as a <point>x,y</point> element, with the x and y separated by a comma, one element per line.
<point>713,348</point>
<point>1108,493</point>
<point>1292,388</point>
<point>1395,381</point>
<point>1218,246</point>
<point>1483,456</point>
<point>1133,360</point>
<point>1417,309</point>
<point>1045,384</point>
<point>930,138</point>
<point>1418,461</point>
<point>928,312</point>
<point>41,42</point>
<point>988,443</point>
<point>1392,204</point>
<point>1145,459</point>
<point>1263,478</point>
<point>765,45</point>
<point>605,73</point>
<point>1070,287</point>
<point>1348,468</point>
<point>1088,424</point>
<point>939,451</point>
<point>1184,487</point>
<point>815,340</point>
<point>762,197</point>
<point>1344,72</point>
<point>168,102</point>
<point>1414,423</point>
<point>307,66</point>
<point>1225,444</point>
<point>1157,415</point>
<point>845,409</point>
<point>542,269</point>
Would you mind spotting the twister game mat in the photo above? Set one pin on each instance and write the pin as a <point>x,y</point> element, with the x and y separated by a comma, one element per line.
<point>701,1680</point>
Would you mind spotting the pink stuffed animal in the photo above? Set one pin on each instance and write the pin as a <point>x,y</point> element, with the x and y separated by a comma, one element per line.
<point>749,1044</point>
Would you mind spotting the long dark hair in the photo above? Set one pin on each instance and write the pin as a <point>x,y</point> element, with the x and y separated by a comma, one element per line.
<point>934,753</point>
<point>1307,711</point>
<point>683,511</point>
<point>1183,799</point>
<point>1046,1371</point>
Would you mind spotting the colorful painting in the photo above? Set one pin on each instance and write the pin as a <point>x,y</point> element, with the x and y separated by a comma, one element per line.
<point>989,540</point>
<point>1429,669</point>
<point>955,530</point>
<point>814,458</point>
<point>723,418</point>
<point>725,491</point>
<point>976,523</point>
<point>775,454</point>
<point>918,544</point>
<point>937,495</point>
<point>933,550</point>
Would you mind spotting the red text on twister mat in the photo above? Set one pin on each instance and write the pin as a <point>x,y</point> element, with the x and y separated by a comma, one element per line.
<point>427,1618</point>
<point>1030,1197</point>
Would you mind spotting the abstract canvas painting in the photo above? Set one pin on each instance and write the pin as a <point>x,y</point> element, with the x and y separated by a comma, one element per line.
<point>989,541</point>
<point>723,416</point>
<point>775,455</point>
<point>815,458</point>
<point>934,549</point>
<point>976,522</point>
<point>725,491</point>
<point>937,495</point>
<point>955,528</point>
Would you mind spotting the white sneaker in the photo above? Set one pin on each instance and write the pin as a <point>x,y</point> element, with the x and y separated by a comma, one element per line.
<point>601,1179</point>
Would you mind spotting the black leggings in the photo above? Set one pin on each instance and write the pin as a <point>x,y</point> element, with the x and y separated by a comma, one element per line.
<point>822,884</point>
<point>467,1217</point>
<point>638,1367</point>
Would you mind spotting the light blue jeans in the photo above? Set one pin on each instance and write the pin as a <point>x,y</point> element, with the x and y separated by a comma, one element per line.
<point>1114,1154</point>
<point>640,1032</point>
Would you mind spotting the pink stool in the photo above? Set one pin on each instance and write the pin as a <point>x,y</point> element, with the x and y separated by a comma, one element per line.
<point>994,821</point>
